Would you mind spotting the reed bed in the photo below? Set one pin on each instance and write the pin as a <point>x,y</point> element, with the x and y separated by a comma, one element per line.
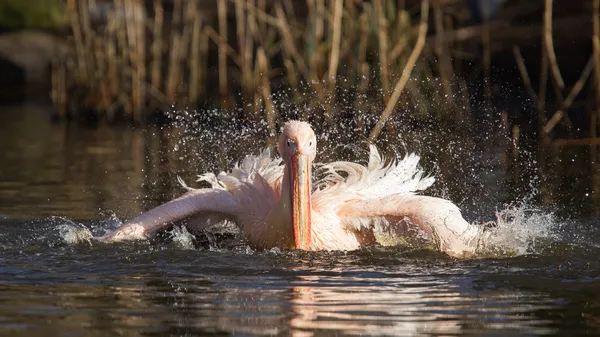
<point>365,60</point>
<point>146,59</point>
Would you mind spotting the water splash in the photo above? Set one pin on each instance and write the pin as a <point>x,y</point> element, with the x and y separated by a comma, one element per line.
<point>71,232</point>
<point>182,239</point>
<point>518,230</point>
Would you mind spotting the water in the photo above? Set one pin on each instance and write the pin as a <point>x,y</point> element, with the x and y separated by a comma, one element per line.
<point>56,180</point>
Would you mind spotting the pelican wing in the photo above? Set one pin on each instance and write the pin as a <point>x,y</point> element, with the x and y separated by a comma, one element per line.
<point>245,195</point>
<point>379,200</point>
<point>398,215</point>
<point>192,204</point>
<point>376,180</point>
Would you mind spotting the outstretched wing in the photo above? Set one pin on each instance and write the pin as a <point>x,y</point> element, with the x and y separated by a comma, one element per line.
<point>193,203</point>
<point>391,217</point>
<point>378,202</point>
<point>245,195</point>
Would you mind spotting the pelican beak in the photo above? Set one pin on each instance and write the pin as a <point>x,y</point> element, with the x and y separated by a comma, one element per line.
<point>300,188</point>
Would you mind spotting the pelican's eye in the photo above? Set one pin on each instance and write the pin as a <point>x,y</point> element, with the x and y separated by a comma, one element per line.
<point>289,142</point>
<point>310,143</point>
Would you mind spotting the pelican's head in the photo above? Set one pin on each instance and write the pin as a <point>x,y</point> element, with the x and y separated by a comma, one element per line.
<point>298,148</point>
<point>297,138</point>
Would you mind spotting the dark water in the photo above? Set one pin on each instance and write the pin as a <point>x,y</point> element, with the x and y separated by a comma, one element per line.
<point>58,177</point>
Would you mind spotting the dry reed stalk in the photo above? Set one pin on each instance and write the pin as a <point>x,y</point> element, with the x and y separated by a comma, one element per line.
<point>137,46</point>
<point>319,22</point>
<point>292,78</point>
<point>240,25</point>
<point>157,46</point>
<point>73,12</point>
<point>111,60</point>
<point>290,47</point>
<point>311,43</point>
<point>524,73</point>
<point>335,43</point>
<point>123,60</point>
<point>173,72</point>
<point>262,24</point>
<point>204,46</point>
<point>596,43</point>
<point>316,57</point>
<point>252,38</point>
<point>549,45</point>
<point>550,58</point>
<point>575,90</point>
<point>174,56</point>
<point>350,13</point>
<point>89,35</point>
<point>335,54</point>
<point>245,47</point>
<point>112,77</point>
<point>194,79</point>
<point>262,18</point>
<point>266,88</point>
<point>410,64</point>
<point>289,8</point>
<point>110,43</point>
<point>363,39</point>
<point>382,34</point>
<point>217,39</point>
<point>141,33</point>
<point>363,68</point>
<point>130,31</point>
<point>222,19</point>
<point>183,67</point>
<point>576,141</point>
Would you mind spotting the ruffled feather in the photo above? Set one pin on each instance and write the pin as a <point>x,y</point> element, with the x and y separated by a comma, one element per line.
<point>400,176</point>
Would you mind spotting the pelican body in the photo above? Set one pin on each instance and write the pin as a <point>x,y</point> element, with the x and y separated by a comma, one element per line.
<point>275,204</point>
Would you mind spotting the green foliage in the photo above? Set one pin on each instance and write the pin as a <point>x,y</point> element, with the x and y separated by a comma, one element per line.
<point>33,14</point>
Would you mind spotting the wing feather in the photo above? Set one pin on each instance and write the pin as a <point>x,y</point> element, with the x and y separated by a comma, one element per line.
<point>245,195</point>
<point>389,216</point>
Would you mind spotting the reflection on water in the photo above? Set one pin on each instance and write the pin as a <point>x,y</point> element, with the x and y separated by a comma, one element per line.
<point>59,169</point>
<point>49,287</point>
<point>140,289</point>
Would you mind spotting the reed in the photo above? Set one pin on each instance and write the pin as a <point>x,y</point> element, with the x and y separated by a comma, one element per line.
<point>144,59</point>
<point>148,58</point>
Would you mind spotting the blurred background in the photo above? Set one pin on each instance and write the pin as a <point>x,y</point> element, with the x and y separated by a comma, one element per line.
<point>103,102</point>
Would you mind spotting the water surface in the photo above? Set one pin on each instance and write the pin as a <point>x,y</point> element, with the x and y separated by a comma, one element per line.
<point>55,178</point>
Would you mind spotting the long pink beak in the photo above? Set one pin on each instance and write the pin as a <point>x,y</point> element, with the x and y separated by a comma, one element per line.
<point>300,175</point>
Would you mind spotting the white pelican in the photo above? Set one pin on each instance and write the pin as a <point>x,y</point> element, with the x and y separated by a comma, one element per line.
<point>276,205</point>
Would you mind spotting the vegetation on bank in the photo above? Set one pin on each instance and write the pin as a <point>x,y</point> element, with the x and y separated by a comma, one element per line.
<point>361,59</point>
<point>360,52</point>
<point>33,14</point>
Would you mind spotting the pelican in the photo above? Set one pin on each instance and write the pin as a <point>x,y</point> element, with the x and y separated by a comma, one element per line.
<point>276,205</point>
